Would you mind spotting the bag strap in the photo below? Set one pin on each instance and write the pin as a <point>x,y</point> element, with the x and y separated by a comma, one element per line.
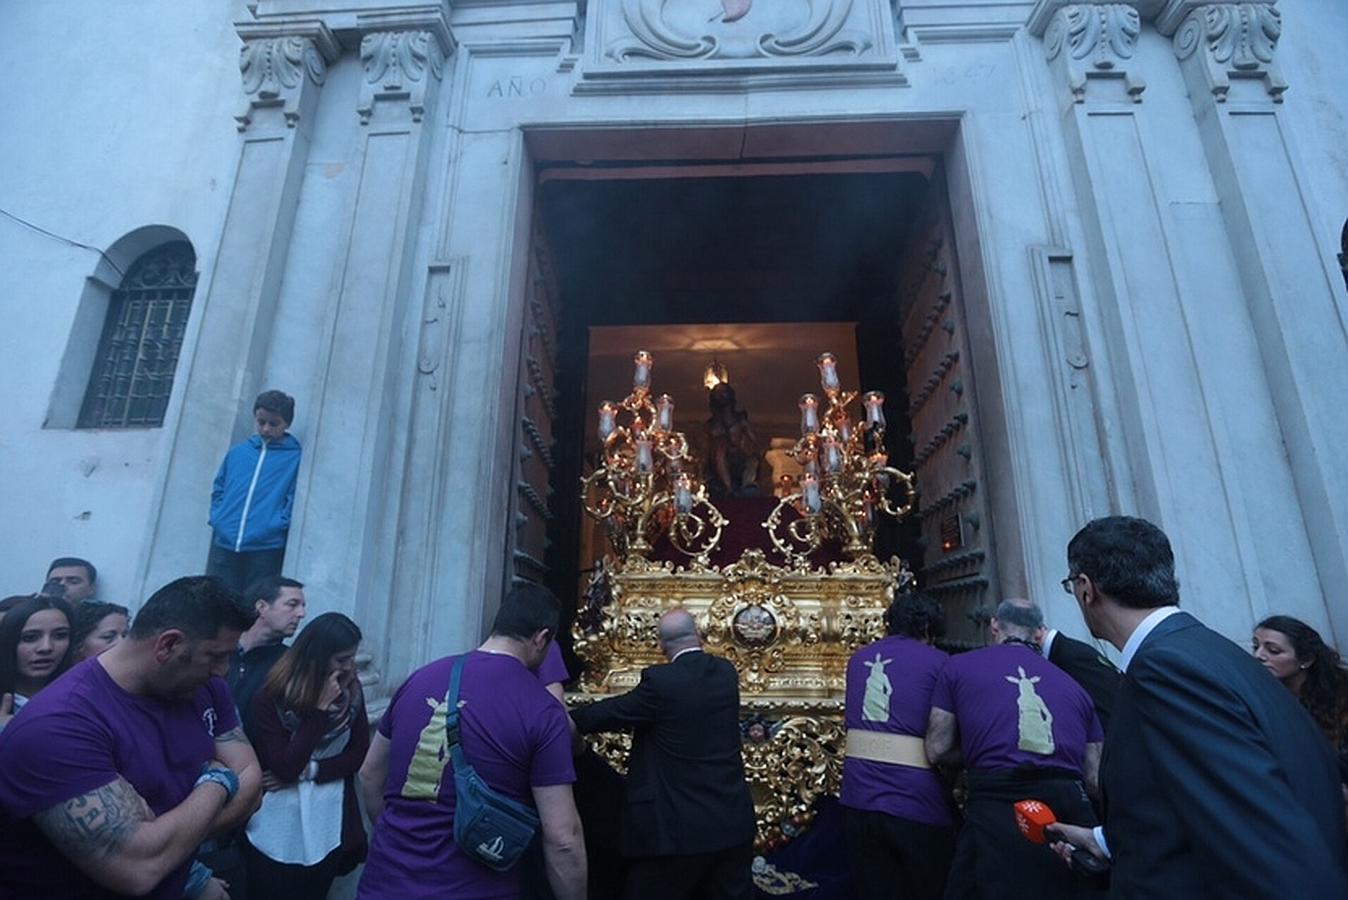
<point>452,715</point>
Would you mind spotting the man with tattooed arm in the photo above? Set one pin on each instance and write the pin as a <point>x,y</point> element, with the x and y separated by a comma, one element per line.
<point>111,777</point>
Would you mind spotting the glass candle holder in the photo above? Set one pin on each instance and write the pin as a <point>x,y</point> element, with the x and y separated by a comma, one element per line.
<point>664,413</point>
<point>683,494</point>
<point>645,459</point>
<point>608,419</point>
<point>833,457</point>
<point>809,491</point>
<point>809,414</point>
<point>641,376</point>
<point>875,409</point>
<point>828,373</point>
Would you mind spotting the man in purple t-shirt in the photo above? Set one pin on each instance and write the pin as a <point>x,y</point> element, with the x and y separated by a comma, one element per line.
<point>513,732</point>
<point>114,774</point>
<point>898,820</point>
<point>1025,730</point>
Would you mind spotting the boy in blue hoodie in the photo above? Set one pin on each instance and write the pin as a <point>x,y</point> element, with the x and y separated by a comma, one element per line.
<point>253,495</point>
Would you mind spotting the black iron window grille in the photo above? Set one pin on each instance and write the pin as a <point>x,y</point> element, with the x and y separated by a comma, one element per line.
<point>138,352</point>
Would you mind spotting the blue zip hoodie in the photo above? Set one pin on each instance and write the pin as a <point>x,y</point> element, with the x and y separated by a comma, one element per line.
<point>254,493</point>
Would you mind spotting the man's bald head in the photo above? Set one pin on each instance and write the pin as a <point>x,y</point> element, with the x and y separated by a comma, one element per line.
<point>677,631</point>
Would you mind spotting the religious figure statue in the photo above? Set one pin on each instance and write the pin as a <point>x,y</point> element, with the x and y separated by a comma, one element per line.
<point>1036,722</point>
<point>732,447</point>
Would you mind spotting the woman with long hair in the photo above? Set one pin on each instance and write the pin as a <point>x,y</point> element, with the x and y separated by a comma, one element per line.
<point>34,650</point>
<point>310,733</point>
<point>1313,671</point>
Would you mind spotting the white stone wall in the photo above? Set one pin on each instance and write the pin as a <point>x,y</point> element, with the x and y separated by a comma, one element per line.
<point>1127,360</point>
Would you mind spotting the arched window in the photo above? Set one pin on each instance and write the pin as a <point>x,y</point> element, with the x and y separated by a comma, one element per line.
<point>1343,254</point>
<point>132,374</point>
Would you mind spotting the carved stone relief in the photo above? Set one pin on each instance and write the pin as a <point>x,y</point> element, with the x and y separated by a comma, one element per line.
<point>1095,41</point>
<point>738,29</point>
<point>399,65</point>
<point>1233,41</point>
<point>274,71</point>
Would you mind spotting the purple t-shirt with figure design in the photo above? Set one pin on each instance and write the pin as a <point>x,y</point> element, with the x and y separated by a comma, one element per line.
<point>1015,708</point>
<point>78,735</point>
<point>514,733</point>
<point>889,685</point>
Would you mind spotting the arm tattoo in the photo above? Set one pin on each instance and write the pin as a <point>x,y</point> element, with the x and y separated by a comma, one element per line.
<point>95,825</point>
<point>234,736</point>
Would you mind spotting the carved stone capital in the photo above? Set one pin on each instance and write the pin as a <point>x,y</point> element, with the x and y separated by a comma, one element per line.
<point>282,70</point>
<point>1220,42</point>
<point>400,65</point>
<point>1092,41</point>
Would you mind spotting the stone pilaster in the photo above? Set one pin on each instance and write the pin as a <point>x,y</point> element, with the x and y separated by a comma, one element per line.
<point>1222,42</point>
<point>282,71</point>
<point>282,66</point>
<point>400,66</point>
<point>1091,41</point>
<point>350,543</point>
<point>1227,50</point>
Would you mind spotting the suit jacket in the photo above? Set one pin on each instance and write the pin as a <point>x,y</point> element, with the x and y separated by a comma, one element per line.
<point>1088,668</point>
<point>1216,783</point>
<point>686,791</point>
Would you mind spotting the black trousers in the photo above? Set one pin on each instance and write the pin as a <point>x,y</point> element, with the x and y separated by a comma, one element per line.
<point>272,880</point>
<point>239,570</point>
<point>893,858</point>
<point>993,861</point>
<point>720,875</point>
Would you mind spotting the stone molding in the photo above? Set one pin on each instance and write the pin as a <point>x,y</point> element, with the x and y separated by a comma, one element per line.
<point>399,65</point>
<point>281,69</point>
<point>1095,40</point>
<point>1225,41</point>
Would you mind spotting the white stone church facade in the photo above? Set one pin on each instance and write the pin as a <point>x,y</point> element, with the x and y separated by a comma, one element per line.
<point>1146,196</point>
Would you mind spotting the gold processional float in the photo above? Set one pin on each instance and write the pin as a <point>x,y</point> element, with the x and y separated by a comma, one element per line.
<point>787,623</point>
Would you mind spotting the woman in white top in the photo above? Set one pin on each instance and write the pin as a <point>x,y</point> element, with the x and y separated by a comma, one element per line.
<point>310,732</point>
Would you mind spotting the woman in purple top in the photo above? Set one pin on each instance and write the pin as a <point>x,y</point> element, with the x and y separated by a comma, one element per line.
<point>311,733</point>
<point>35,648</point>
<point>897,814</point>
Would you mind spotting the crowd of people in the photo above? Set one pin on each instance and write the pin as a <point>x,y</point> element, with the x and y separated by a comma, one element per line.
<point>218,745</point>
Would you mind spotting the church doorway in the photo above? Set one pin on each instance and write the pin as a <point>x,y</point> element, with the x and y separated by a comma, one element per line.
<point>752,267</point>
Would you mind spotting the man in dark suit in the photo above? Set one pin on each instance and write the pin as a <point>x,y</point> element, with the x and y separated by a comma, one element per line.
<point>1216,783</point>
<point>1087,666</point>
<point>688,819</point>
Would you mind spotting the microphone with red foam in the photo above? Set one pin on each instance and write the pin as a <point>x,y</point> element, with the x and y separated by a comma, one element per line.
<point>1033,818</point>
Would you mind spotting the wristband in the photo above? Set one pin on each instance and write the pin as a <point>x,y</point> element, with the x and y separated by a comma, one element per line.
<point>223,777</point>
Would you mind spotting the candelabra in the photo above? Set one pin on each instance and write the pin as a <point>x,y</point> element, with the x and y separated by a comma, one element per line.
<point>646,483</point>
<point>846,480</point>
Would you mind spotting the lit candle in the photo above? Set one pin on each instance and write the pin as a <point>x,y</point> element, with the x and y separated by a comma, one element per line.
<point>641,378</point>
<point>683,494</point>
<point>608,419</point>
<point>875,409</point>
<point>645,461</point>
<point>809,414</point>
<point>828,373</point>
<point>833,459</point>
<point>664,413</point>
<point>809,489</point>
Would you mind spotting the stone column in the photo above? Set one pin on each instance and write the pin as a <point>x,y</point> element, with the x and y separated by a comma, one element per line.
<point>1227,51</point>
<point>1150,298</point>
<point>345,534</point>
<point>283,68</point>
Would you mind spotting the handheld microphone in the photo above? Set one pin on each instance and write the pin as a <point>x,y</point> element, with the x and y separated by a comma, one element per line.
<point>1033,818</point>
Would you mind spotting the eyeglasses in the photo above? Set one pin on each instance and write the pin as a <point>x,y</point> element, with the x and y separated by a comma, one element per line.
<point>1068,582</point>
